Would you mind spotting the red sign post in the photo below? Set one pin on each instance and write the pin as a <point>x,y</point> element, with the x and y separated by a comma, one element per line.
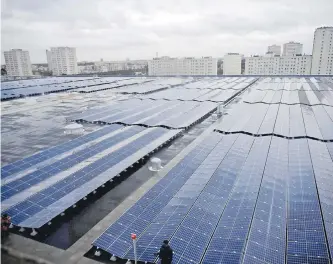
<point>133,236</point>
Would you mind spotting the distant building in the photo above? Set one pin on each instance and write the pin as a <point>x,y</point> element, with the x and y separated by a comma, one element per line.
<point>276,49</point>
<point>62,60</point>
<point>182,66</point>
<point>322,52</point>
<point>18,62</point>
<point>292,48</point>
<point>276,65</point>
<point>232,64</point>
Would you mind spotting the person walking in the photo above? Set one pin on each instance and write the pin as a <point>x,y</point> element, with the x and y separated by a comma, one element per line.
<point>5,223</point>
<point>165,254</point>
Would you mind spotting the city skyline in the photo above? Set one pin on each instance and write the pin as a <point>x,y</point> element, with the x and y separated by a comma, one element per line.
<point>139,29</point>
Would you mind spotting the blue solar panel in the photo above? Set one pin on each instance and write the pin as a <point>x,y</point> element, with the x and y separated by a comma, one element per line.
<point>196,229</point>
<point>53,200</point>
<point>40,157</point>
<point>52,169</point>
<point>150,112</point>
<point>167,221</point>
<point>50,85</point>
<point>323,168</point>
<point>267,237</point>
<point>230,234</point>
<point>304,214</point>
<point>144,211</point>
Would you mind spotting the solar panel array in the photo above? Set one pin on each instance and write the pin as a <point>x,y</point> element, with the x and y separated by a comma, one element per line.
<point>152,86</point>
<point>17,89</point>
<point>307,93</point>
<point>131,85</point>
<point>40,82</point>
<point>235,199</point>
<point>256,190</point>
<point>291,114</point>
<point>171,114</point>
<point>200,94</point>
<point>218,83</point>
<point>114,83</point>
<point>79,84</point>
<point>51,153</point>
<point>34,195</point>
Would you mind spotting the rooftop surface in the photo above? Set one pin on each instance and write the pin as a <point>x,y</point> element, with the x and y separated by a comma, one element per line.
<point>250,183</point>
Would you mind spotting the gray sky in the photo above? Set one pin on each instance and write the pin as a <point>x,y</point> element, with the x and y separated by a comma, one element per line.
<point>137,29</point>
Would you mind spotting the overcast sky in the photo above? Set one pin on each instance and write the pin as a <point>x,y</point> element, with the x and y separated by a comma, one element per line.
<point>137,29</point>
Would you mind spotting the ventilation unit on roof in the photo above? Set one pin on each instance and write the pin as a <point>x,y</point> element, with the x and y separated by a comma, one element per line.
<point>155,164</point>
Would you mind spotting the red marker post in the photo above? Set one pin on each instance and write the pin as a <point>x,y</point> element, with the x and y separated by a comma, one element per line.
<point>133,236</point>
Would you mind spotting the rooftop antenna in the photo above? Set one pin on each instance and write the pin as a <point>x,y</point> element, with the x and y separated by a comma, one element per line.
<point>157,54</point>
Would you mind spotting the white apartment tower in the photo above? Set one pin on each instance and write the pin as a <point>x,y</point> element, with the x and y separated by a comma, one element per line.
<point>18,62</point>
<point>182,66</point>
<point>276,65</point>
<point>292,48</point>
<point>322,51</point>
<point>62,60</point>
<point>232,64</point>
<point>275,49</point>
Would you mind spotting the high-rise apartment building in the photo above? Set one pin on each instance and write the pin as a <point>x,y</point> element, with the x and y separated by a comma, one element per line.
<point>292,48</point>
<point>275,49</point>
<point>182,66</point>
<point>18,62</point>
<point>232,64</point>
<point>276,65</point>
<point>62,60</point>
<point>322,52</point>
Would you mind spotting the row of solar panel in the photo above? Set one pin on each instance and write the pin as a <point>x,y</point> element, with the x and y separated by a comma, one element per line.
<point>290,97</point>
<point>63,187</point>
<point>117,84</point>
<point>49,171</point>
<point>174,114</point>
<point>40,82</point>
<point>147,85</point>
<point>302,84</point>
<point>138,217</point>
<point>267,236</point>
<point>46,89</point>
<point>284,120</point>
<point>153,86</point>
<point>297,79</point>
<point>40,157</point>
<point>213,95</point>
<point>141,86</point>
<point>220,83</point>
<point>227,202</point>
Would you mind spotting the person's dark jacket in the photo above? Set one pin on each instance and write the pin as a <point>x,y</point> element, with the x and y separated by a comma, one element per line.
<point>165,254</point>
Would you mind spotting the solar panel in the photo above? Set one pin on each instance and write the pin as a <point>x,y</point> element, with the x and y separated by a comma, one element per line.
<point>260,191</point>
<point>230,233</point>
<point>115,239</point>
<point>322,163</point>
<point>267,237</point>
<point>173,114</point>
<point>45,173</point>
<point>172,215</point>
<point>40,157</point>
<point>290,121</point>
<point>306,236</point>
<point>43,206</point>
